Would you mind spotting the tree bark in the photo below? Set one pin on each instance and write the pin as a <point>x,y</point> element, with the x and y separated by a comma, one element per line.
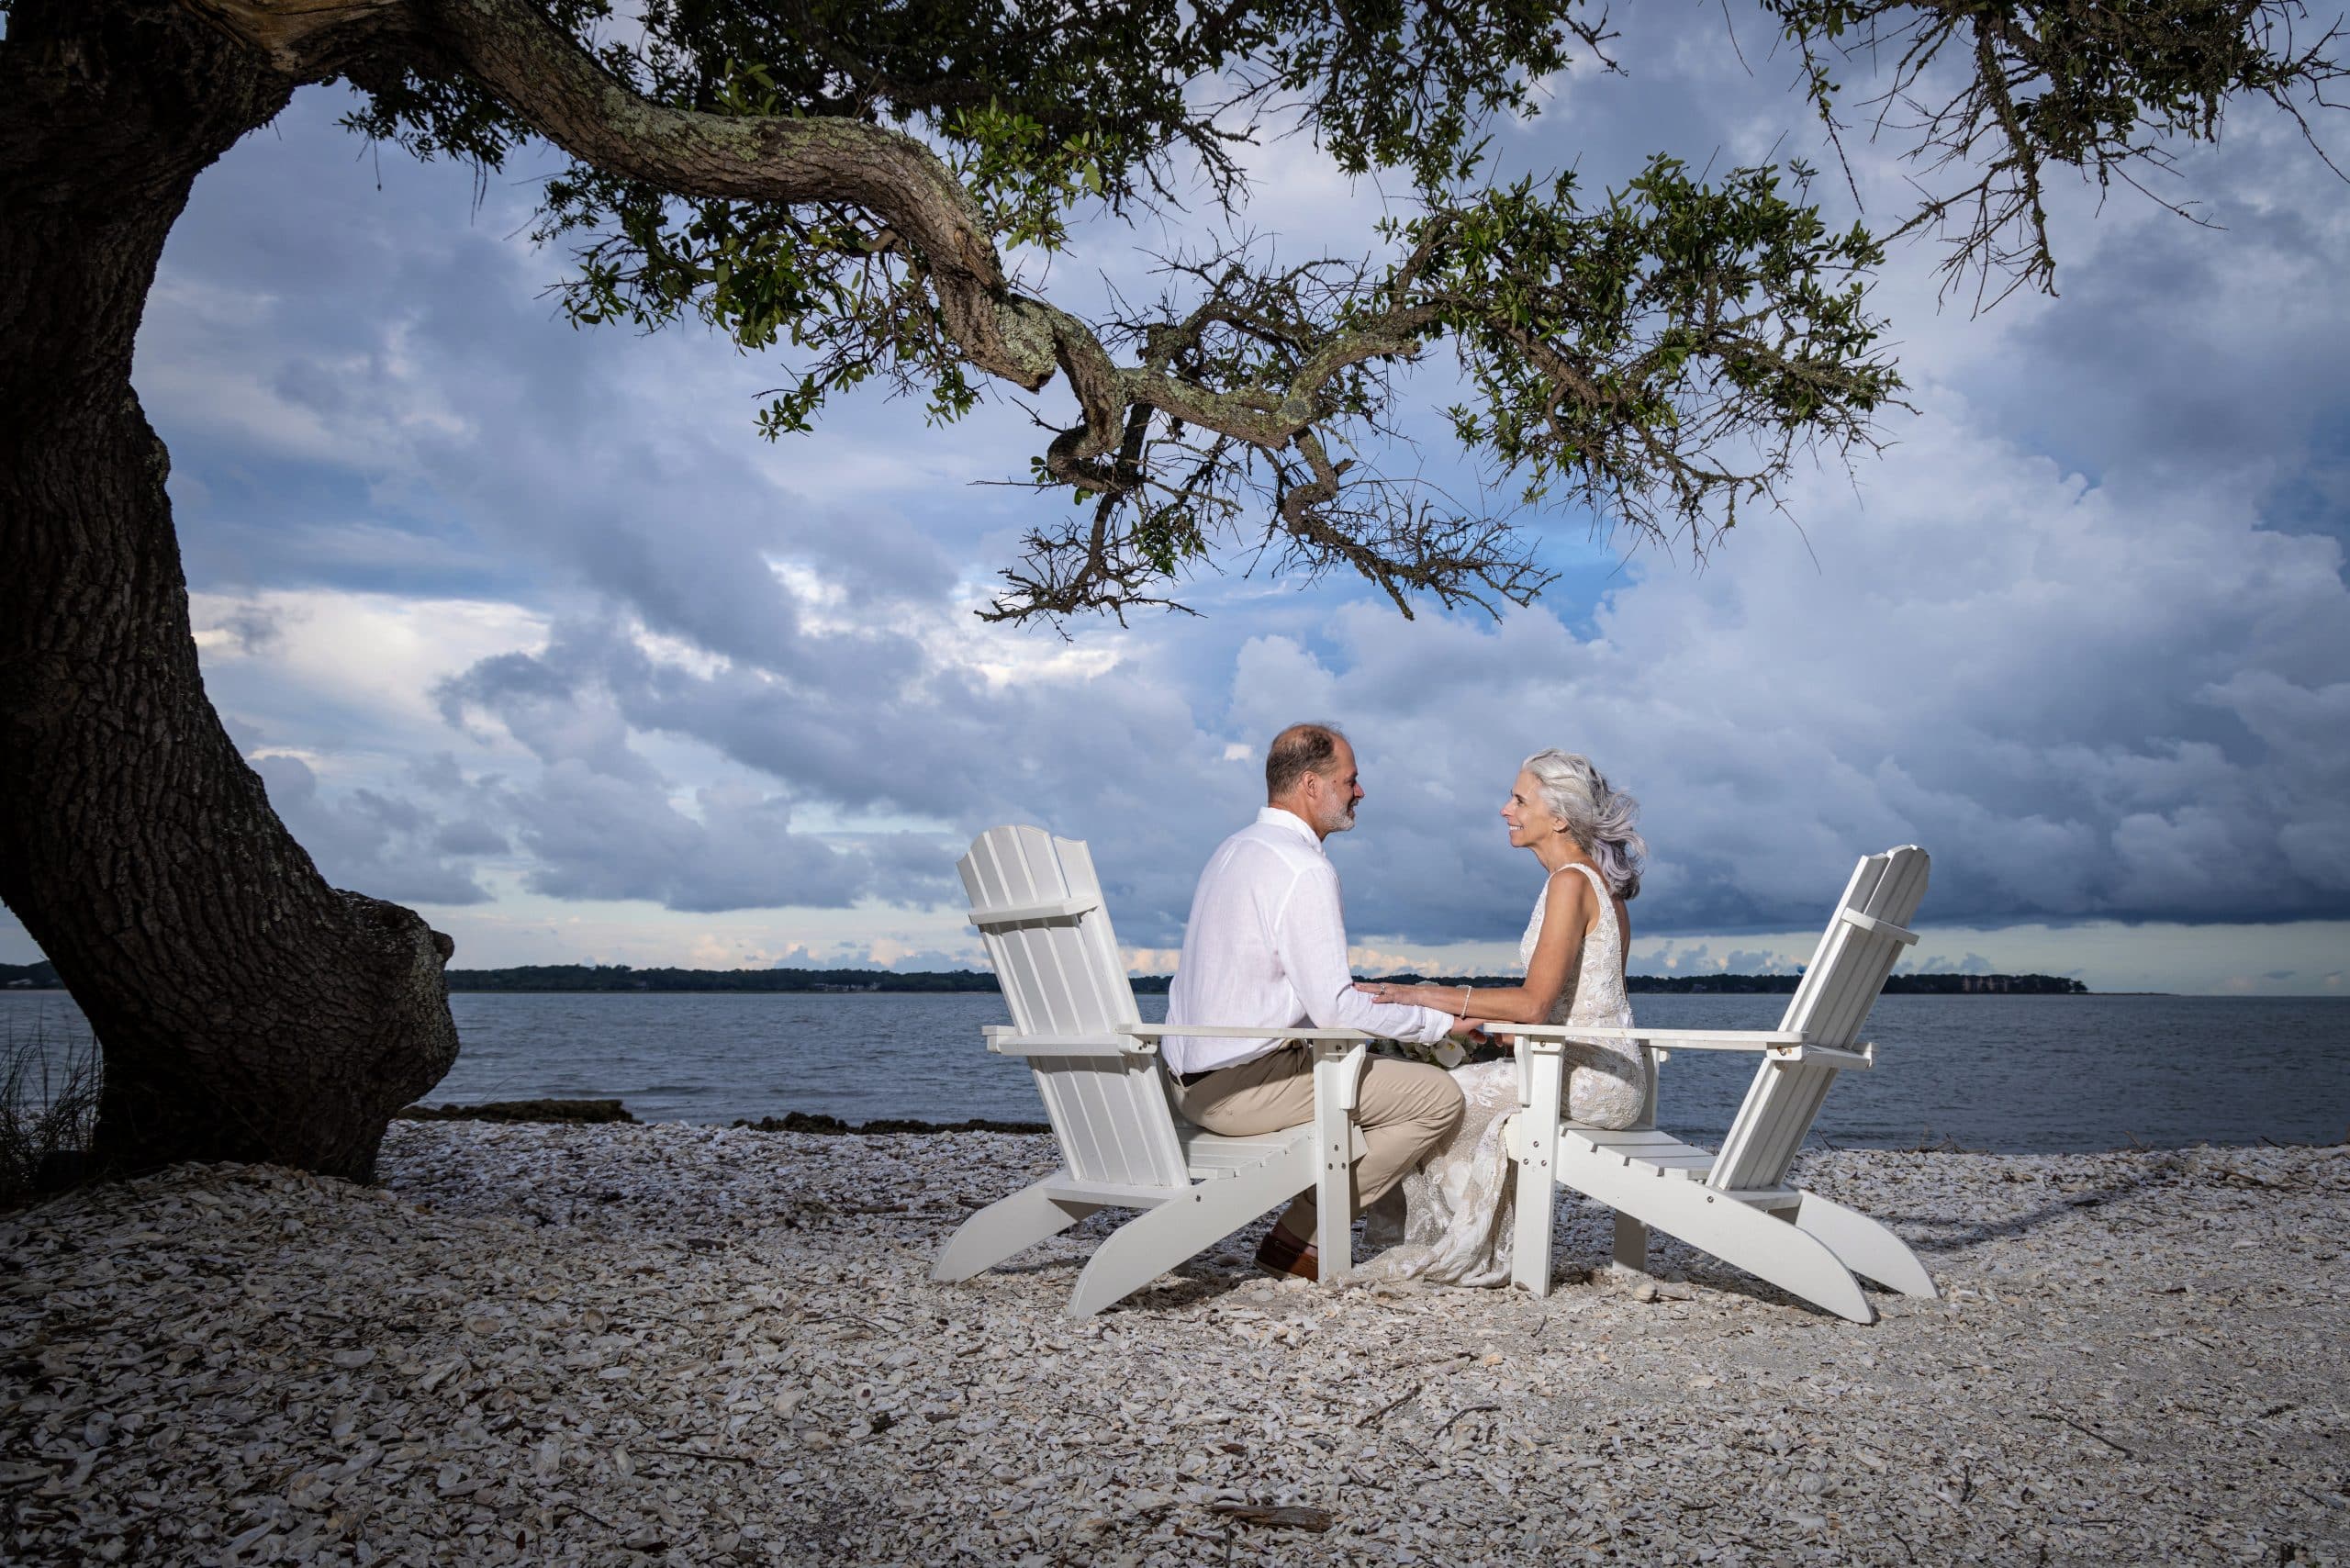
<point>244,1008</point>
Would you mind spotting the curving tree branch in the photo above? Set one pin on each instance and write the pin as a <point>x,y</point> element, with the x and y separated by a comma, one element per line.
<point>1549,305</point>
<point>1657,358</point>
<point>567,96</point>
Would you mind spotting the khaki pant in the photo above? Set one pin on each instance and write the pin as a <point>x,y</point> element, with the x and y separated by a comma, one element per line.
<point>1406,1110</point>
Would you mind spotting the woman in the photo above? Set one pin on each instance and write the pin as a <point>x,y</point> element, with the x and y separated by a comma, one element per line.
<point>1457,1207</point>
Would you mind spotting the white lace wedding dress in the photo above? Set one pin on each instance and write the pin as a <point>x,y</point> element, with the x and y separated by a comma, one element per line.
<point>1456,1223</point>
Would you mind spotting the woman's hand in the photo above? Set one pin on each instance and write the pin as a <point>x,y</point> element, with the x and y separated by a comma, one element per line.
<point>1380,991</point>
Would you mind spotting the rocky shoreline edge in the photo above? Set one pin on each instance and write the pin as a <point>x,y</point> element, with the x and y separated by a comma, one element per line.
<point>597,1112</point>
<point>626,1343</point>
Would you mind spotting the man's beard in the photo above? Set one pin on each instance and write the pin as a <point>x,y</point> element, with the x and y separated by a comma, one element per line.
<point>1344,821</point>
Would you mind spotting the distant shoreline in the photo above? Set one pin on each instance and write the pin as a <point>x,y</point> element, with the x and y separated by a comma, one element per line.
<point>591,978</point>
<point>620,978</point>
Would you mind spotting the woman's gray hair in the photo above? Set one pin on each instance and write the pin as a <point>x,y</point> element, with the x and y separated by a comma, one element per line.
<point>1599,818</point>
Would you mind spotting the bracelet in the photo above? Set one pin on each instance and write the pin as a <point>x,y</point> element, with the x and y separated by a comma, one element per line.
<point>1464,1002</point>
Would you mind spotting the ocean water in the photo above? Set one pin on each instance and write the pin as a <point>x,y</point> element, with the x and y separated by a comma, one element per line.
<point>2006,1074</point>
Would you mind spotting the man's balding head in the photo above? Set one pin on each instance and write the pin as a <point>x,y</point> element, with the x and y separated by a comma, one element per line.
<point>1297,751</point>
<point>1310,773</point>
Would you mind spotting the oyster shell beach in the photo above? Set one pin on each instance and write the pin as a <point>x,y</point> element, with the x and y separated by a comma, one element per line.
<point>683,1344</point>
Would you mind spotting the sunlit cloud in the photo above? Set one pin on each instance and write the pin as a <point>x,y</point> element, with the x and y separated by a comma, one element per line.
<point>526,625</point>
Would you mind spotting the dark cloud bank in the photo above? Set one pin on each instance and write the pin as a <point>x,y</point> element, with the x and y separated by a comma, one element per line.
<point>2122,694</point>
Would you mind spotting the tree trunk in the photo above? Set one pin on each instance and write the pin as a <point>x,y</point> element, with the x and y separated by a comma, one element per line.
<point>244,1008</point>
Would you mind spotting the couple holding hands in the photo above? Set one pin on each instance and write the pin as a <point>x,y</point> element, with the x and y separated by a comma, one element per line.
<point>1267,939</point>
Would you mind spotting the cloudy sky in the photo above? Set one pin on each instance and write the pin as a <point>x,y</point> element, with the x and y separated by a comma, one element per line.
<point>527,627</point>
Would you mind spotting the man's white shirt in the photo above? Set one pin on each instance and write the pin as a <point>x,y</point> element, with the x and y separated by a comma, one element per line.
<point>1267,944</point>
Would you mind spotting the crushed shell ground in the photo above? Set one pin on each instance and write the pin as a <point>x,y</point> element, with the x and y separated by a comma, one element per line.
<point>686,1345</point>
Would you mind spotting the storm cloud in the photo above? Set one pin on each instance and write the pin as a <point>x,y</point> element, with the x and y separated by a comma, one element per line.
<point>509,612</point>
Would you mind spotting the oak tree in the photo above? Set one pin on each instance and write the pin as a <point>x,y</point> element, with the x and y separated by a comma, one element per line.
<point>841,182</point>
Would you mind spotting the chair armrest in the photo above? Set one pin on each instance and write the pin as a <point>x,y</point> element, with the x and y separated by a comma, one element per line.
<point>1691,1039</point>
<point>1782,1046</point>
<point>1005,1040</point>
<point>1239,1032</point>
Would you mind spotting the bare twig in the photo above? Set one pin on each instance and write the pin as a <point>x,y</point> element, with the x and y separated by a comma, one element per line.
<point>1394,1404</point>
<point>2100,89</point>
<point>2085,1432</point>
<point>1466,1410</point>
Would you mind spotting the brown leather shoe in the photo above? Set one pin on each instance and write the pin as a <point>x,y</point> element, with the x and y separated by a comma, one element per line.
<point>1277,1254</point>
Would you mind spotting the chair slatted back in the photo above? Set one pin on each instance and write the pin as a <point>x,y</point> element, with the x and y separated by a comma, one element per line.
<point>1829,1007</point>
<point>1062,975</point>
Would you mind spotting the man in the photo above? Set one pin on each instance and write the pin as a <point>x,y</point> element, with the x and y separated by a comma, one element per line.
<point>1266,943</point>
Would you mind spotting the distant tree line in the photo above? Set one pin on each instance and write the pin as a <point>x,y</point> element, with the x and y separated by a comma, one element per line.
<point>1895,985</point>
<point>620,977</point>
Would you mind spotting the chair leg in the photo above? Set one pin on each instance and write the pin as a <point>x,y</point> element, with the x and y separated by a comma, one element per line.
<point>1631,1250</point>
<point>1529,1246</point>
<point>1338,1077</point>
<point>1534,1140</point>
<point>1865,1246</point>
<point>1149,1245</point>
<point>1750,1238</point>
<point>1008,1226</point>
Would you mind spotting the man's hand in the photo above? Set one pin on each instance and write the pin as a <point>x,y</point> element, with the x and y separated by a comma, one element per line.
<point>1469,1031</point>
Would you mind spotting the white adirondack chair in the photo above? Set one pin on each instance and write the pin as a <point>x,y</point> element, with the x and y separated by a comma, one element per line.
<point>1737,1205</point>
<point>1038,907</point>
